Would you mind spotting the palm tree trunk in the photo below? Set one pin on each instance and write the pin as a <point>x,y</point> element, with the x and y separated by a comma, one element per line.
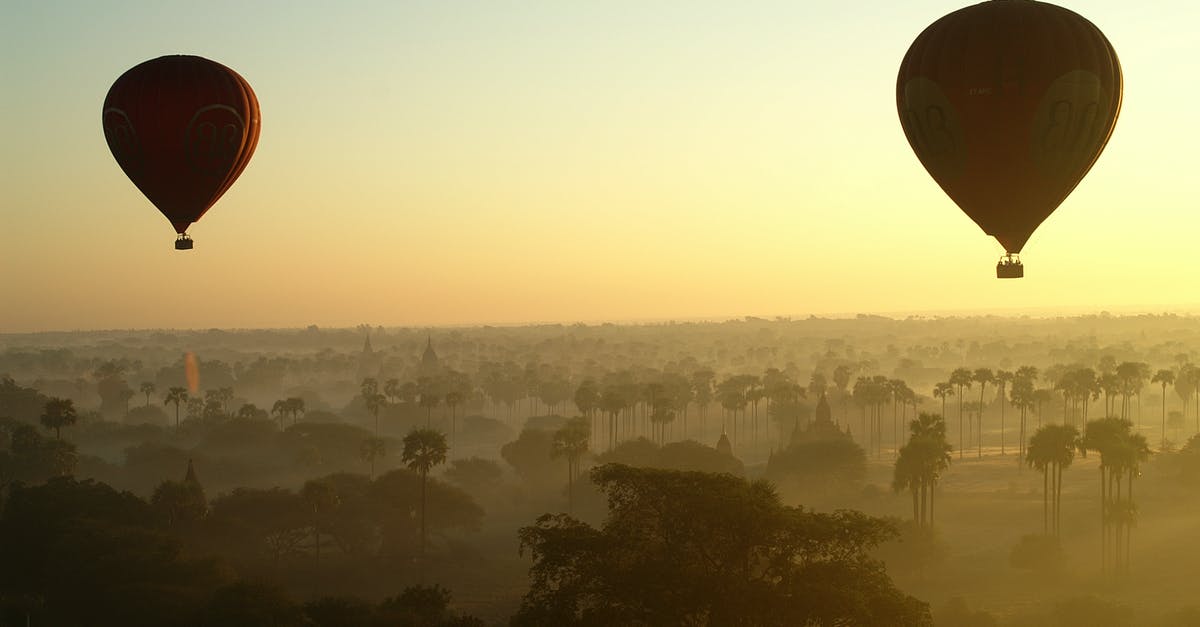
<point>1163,441</point>
<point>917,492</point>
<point>424,475</point>
<point>1058,503</point>
<point>932,490</point>
<point>1046,500</point>
<point>1103,523</point>
<point>1001,420</point>
<point>979,435</point>
<point>960,424</point>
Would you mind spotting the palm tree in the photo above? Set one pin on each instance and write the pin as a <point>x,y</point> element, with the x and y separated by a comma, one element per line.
<point>424,449</point>
<point>983,376</point>
<point>374,402</point>
<point>391,389</point>
<point>280,408</point>
<point>942,391</point>
<point>1126,456</point>
<point>59,413</point>
<point>841,379</point>
<point>147,389</point>
<point>702,387</point>
<point>1105,437</point>
<point>178,396</point>
<point>961,378</point>
<point>371,450</point>
<point>1164,377</point>
<point>296,407</point>
<point>1051,450</point>
<point>571,442</point>
<point>921,462</point>
<point>612,402</point>
<point>321,498</point>
<point>1003,378</point>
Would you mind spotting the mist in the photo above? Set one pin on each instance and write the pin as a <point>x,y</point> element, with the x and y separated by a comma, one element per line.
<point>436,476</point>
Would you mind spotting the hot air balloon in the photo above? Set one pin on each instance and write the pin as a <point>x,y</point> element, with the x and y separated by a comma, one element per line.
<point>1007,104</point>
<point>182,128</point>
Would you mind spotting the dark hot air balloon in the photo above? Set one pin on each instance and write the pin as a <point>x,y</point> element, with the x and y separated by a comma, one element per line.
<point>1007,104</point>
<point>182,128</point>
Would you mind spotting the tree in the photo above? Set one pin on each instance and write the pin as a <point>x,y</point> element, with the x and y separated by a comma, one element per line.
<point>281,409</point>
<point>689,548</point>
<point>424,449</point>
<point>943,390</point>
<point>921,463</point>
<point>294,406</point>
<point>1121,454</point>
<point>59,413</point>
<point>374,402</point>
<point>1164,377</point>
<point>148,388</point>
<point>1051,450</point>
<point>571,442</point>
<point>1021,395</point>
<point>391,389</point>
<point>982,376</point>
<point>250,411</point>
<point>1003,379</point>
<point>176,395</point>
<point>841,379</point>
<point>321,499</point>
<point>961,378</point>
<point>371,450</point>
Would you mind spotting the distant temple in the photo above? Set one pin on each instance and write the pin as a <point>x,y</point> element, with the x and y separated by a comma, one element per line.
<point>190,477</point>
<point>430,364</point>
<point>369,361</point>
<point>723,445</point>
<point>821,428</point>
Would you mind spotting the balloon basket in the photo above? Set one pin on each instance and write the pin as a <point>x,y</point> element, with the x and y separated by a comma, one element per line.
<point>1010,267</point>
<point>183,242</point>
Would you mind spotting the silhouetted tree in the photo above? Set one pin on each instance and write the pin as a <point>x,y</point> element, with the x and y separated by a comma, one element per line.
<point>1051,450</point>
<point>373,449</point>
<point>59,413</point>
<point>424,449</point>
<point>920,463</point>
<point>1164,377</point>
<point>148,388</point>
<point>961,378</point>
<point>176,395</point>
<point>687,548</point>
<point>982,376</point>
<point>571,442</point>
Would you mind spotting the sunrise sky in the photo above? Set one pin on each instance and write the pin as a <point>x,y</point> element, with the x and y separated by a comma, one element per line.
<point>444,162</point>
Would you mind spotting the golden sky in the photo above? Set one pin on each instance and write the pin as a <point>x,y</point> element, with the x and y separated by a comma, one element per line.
<point>426,163</point>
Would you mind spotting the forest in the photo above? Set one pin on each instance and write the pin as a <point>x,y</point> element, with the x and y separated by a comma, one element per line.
<point>926,470</point>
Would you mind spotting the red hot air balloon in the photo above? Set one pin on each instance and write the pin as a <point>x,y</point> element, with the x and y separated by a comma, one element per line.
<point>1007,104</point>
<point>182,128</point>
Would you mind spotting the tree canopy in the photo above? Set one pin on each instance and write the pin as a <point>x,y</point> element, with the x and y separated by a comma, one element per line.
<point>690,548</point>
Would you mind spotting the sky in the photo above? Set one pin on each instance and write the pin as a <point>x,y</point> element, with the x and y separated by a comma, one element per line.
<point>451,162</point>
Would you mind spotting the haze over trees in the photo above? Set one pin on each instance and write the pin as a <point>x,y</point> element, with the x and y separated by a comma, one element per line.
<point>285,479</point>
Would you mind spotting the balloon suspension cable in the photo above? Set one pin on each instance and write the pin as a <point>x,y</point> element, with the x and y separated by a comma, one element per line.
<point>1010,267</point>
<point>183,242</point>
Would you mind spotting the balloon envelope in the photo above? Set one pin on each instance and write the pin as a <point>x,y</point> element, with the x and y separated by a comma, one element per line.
<point>1007,104</point>
<point>182,128</point>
